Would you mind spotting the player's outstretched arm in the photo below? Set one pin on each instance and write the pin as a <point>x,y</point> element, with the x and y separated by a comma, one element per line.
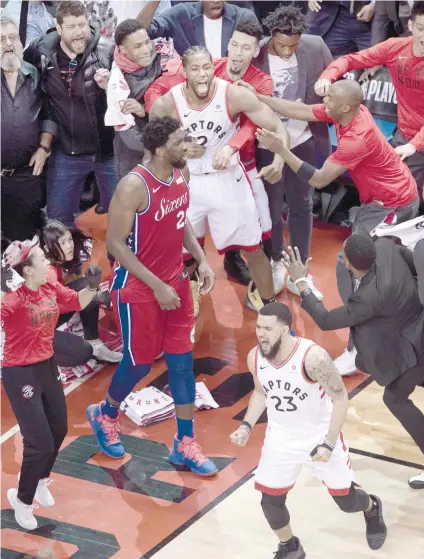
<point>318,178</point>
<point>290,109</point>
<point>129,198</point>
<point>320,368</point>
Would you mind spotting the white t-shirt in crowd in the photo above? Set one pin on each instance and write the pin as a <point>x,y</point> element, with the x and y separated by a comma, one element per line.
<point>285,75</point>
<point>213,35</point>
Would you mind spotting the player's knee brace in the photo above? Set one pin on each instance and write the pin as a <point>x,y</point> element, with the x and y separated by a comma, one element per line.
<point>275,510</point>
<point>181,377</point>
<point>125,378</point>
<point>356,500</point>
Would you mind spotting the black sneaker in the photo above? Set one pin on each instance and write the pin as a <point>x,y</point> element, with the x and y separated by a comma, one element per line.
<point>236,267</point>
<point>287,552</point>
<point>99,209</point>
<point>376,530</point>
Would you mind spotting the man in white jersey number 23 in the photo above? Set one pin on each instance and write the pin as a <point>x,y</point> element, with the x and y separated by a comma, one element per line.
<point>306,402</point>
<point>221,195</point>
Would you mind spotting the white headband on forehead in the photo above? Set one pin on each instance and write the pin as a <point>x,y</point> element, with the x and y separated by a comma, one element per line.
<point>409,232</point>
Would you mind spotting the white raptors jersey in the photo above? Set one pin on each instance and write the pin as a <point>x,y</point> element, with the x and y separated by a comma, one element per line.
<point>299,410</point>
<point>212,126</point>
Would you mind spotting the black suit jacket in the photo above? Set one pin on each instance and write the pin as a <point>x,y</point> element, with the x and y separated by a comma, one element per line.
<point>387,23</point>
<point>313,57</point>
<point>320,22</point>
<point>384,315</point>
<point>184,23</point>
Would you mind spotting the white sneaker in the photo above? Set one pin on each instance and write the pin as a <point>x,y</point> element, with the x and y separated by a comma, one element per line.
<point>292,287</point>
<point>42,494</point>
<point>24,515</point>
<point>417,482</point>
<point>103,353</point>
<point>253,300</point>
<point>345,363</point>
<point>278,275</point>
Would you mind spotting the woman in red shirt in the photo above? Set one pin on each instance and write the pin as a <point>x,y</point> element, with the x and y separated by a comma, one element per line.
<point>30,375</point>
<point>67,249</point>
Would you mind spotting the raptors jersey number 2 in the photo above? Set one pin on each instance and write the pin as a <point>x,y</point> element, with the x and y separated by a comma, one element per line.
<point>157,234</point>
<point>212,126</point>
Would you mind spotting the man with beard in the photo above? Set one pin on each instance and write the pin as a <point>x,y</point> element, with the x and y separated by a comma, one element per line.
<point>147,229</point>
<point>27,134</point>
<point>306,401</point>
<point>69,58</point>
<point>221,195</point>
<point>242,49</point>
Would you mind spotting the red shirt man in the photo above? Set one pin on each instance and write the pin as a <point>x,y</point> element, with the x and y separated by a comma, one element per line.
<point>244,141</point>
<point>407,73</point>
<point>378,173</point>
<point>404,58</point>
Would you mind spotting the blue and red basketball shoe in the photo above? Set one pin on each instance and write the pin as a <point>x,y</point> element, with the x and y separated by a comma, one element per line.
<point>106,430</point>
<point>189,454</point>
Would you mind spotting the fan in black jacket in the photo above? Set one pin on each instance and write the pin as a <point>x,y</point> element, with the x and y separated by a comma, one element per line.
<point>69,59</point>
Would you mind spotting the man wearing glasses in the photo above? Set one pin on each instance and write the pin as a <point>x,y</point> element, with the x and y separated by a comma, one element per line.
<point>27,133</point>
<point>69,59</point>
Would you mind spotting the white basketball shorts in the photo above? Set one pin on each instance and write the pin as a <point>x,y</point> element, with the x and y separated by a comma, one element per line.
<point>261,200</point>
<point>224,201</point>
<point>279,469</point>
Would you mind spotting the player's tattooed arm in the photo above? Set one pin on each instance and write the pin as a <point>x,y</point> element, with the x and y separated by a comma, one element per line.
<point>164,106</point>
<point>320,368</point>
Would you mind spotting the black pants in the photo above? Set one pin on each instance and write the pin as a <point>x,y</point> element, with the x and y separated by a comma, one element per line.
<point>22,198</point>
<point>89,315</point>
<point>71,350</point>
<point>396,398</point>
<point>298,196</point>
<point>38,402</point>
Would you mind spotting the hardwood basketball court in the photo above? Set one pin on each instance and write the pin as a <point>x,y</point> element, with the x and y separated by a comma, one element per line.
<point>140,507</point>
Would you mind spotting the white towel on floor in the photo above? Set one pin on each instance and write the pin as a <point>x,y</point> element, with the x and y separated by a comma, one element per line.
<point>409,232</point>
<point>117,93</point>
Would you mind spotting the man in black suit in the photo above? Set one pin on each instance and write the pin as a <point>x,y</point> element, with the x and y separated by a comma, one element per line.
<point>390,20</point>
<point>293,58</point>
<point>344,26</point>
<point>386,320</point>
<point>208,23</point>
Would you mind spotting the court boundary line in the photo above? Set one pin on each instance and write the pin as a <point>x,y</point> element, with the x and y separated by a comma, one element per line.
<point>383,458</point>
<point>361,386</point>
<point>200,514</point>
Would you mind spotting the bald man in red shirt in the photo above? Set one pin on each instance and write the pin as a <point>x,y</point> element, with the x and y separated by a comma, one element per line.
<point>385,184</point>
<point>242,48</point>
<point>404,58</point>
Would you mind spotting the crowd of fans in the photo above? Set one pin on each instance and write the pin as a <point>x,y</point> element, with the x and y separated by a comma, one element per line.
<point>58,148</point>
